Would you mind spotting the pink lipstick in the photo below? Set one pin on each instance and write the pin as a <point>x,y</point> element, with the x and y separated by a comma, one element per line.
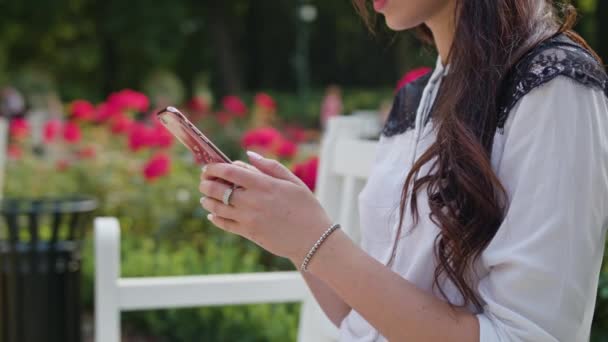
<point>379,5</point>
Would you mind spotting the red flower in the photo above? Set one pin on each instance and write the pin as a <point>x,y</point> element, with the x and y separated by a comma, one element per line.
<point>19,128</point>
<point>128,99</point>
<point>411,76</point>
<point>266,102</point>
<point>264,138</point>
<point>82,110</point>
<point>140,136</point>
<point>121,123</point>
<point>71,133</point>
<point>296,134</point>
<point>106,111</point>
<point>62,165</point>
<point>198,104</point>
<point>86,153</point>
<point>234,105</point>
<point>224,117</point>
<point>287,149</point>
<point>51,130</point>
<point>307,172</point>
<point>14,152</point>
<point>157,166</point>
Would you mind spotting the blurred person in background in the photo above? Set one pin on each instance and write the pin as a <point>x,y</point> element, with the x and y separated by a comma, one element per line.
<point>485,213</point>
<point>12,103</point>
<point>331,105</point>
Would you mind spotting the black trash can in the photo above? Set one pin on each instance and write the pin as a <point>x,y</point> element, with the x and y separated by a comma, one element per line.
<point>40,245</point>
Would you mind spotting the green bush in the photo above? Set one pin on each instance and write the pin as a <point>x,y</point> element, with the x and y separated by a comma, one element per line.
<point>219,253</point>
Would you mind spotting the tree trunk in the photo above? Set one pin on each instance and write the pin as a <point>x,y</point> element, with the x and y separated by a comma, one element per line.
<point>222,44</point>
<point>602,29</point>
<point>109,59</point>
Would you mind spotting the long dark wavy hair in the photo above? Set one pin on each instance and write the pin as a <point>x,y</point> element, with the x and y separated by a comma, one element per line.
<point>465,196</point>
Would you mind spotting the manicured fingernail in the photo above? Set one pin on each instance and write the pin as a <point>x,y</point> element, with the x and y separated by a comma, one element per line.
<point>254,155</point>
<point>210,217</point>
<point>203,198</point>
<point>204,169</point>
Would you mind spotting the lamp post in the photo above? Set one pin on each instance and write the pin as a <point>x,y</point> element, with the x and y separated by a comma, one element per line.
<point>306,15</point>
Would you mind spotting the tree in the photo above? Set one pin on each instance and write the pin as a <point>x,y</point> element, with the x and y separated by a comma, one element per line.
<point>602,28</point>
<point>221,37</point>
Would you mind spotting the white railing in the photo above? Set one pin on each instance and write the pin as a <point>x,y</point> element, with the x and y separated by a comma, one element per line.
<point>114,294</point>
<point>345,161</point>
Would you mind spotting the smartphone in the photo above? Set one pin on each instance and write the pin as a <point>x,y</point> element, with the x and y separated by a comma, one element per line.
<point>204,151</point>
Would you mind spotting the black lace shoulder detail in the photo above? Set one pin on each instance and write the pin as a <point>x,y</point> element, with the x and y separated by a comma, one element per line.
<point>403,113</point>
<point>557,56</point>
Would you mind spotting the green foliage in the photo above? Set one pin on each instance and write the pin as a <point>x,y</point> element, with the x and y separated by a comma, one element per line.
<point>94,47</point>
<point>210,251</point>
<point>292,110</point>
<point>163,227</point>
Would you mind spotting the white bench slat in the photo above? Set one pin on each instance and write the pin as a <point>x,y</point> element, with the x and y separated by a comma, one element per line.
<point>209,290</point>
<point>107,273</point>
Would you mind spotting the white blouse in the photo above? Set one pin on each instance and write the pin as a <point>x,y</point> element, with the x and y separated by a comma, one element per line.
<point>538,277</point>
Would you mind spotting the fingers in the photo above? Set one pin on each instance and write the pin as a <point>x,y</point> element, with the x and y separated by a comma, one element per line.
<point>224,223</point>
<point>234,174</point>
<point>245,165</point>
<point>272,168</point>
<point>216,190</point>
<point>218,208</point>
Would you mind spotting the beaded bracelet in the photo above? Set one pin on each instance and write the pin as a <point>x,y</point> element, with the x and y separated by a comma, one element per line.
<point>316,246</point>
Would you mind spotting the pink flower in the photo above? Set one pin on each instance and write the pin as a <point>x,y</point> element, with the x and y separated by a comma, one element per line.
<point>157,166</point>
<point>51,130</point>
<point>234,105</point>
<point>264,138</point>
<point>140,136</point>
<point>296,134</point>
<point>62,165</point>
<point>265,102</point>
<point>86,153</point>
<point>128,99</point>
<point>411,76</point>
<point>224,117</point>
<point>198,104</point>
<point>307,172</point>
<point>14,152</point>
<point>19,128</point>
<point>106,111</point>
<point>121,124</point>
<point>71,133</point>
<point>287,149</point>
<point>82,110</point>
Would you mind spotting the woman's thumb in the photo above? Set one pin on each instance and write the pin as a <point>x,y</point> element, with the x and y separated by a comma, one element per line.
<point>272,167</point>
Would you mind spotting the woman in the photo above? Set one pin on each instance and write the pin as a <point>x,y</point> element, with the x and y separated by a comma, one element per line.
<point>498,164</point>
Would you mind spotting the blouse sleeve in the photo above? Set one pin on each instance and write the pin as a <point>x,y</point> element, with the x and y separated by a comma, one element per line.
<point>545,259</point>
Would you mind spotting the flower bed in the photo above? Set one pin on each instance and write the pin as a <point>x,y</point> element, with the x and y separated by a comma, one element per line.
<point>117,152</point>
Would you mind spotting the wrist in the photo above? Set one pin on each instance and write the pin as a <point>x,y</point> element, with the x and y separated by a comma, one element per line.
<point>334,247</point>
<point>317,245</point>
<point>308,243</point>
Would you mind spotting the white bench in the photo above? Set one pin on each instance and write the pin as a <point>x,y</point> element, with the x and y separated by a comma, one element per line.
<point>344,164</point>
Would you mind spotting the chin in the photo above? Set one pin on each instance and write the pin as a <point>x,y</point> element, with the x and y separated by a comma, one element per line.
<point>406,14</point>
<point>398,24</point>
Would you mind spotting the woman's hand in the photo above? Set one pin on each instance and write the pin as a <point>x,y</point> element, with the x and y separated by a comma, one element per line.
<point>271,207</point>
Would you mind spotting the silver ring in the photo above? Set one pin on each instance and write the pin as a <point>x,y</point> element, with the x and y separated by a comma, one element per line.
<point>227,195</point>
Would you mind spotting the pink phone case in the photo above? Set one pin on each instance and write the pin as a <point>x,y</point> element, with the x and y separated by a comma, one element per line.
<point>204,151</point>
